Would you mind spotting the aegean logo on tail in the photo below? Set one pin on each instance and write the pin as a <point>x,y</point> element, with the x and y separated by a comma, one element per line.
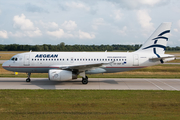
<point>156,40</point>
<point>155,45</point>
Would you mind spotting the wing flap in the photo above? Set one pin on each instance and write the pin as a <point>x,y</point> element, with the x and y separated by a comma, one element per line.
<point>83,66</point>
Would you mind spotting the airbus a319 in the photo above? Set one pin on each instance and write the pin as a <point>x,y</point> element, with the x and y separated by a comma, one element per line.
<point>62,66</point>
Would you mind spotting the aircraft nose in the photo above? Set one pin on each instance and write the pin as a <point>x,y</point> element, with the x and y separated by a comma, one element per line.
<point>4,65</point>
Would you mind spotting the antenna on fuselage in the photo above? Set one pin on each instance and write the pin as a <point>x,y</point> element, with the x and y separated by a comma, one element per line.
<point>30,51</point>
<point>106,51</point>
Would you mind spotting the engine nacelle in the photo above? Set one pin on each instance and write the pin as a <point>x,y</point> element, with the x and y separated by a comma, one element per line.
<point>59,75</point>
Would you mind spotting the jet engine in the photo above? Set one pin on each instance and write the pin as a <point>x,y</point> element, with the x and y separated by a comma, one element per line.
<point>60,75</point>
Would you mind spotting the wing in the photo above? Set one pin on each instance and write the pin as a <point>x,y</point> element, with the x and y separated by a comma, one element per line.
<point>81,67</point>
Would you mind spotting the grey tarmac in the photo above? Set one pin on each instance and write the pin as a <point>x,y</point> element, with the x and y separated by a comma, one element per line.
<point>94,84</point>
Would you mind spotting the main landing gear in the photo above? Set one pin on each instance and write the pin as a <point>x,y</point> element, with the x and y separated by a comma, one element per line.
<point>85,80</point>
<point>28,79</point>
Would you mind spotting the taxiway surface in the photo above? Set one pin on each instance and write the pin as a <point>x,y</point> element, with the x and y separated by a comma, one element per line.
<point>94,84</point>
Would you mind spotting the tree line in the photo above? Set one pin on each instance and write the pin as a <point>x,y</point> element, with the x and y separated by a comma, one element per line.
<point>63,47</point>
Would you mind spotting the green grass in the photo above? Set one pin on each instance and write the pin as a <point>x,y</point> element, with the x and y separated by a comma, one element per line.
<point>175,61</point>
<point>89,104</point>
<point>172,52</point>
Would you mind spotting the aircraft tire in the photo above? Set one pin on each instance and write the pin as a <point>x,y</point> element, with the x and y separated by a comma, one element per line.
<point>28,80</point>
<point>84,81</point>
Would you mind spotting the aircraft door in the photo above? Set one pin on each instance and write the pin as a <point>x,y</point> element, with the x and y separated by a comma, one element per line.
<point>26,60</point>
<point>135,60</point>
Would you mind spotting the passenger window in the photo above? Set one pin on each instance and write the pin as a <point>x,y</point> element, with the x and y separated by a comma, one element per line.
<point>67,59</point>
<point>119,59</point>
<point>32,59</point>
<point>116,59</point>
<point>122,59</point>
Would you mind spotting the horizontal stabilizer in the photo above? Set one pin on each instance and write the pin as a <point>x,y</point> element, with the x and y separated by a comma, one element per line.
<point>161,58</point>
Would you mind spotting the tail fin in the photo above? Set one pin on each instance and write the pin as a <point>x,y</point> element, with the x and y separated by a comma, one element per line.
<point>157,41</point>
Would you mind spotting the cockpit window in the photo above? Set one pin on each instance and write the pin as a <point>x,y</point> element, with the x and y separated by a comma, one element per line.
<point>14,59</point>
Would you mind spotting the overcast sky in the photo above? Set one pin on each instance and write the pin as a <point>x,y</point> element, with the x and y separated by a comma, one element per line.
<point>86,21</point>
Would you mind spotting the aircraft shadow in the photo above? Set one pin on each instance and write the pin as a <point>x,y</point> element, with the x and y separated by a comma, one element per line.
<point>45,83</point>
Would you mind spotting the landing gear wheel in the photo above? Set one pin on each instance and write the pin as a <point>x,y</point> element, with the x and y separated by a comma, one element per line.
<point>84,80</point>
<point>28,80</point>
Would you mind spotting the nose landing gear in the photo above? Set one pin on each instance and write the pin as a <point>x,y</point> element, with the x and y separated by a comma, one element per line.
<point>28,79</point>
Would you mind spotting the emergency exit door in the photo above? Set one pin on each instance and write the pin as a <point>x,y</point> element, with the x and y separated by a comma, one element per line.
<point>26,60</point>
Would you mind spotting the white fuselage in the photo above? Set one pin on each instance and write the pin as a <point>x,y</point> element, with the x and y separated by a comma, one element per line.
<point>42,62</point>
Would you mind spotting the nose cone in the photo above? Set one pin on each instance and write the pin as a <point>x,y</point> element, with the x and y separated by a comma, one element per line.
<point>5,65</point>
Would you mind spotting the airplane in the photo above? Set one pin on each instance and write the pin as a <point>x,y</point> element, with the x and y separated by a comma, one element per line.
<point>62,66</point>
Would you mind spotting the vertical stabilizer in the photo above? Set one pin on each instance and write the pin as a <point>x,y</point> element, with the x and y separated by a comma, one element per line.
<point>157,41</point>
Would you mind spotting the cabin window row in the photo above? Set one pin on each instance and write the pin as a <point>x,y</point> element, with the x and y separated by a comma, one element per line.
<point>98,59</point>
<point>48,59</point>
<point>79,59</point>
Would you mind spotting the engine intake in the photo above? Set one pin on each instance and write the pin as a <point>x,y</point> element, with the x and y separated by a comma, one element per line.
<point>60,75</point>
